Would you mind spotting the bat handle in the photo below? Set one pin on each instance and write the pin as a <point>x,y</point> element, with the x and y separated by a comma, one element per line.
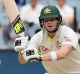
<point>21,34</point>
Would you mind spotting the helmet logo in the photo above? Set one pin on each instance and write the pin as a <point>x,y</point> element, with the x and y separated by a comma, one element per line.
<point>47,11</point>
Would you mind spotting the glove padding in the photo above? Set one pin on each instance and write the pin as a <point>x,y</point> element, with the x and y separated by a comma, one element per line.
<point>20,43</point>
<point>33,55</point>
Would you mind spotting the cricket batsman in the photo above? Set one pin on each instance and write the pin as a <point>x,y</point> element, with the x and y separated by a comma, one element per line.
<point>56,46</point>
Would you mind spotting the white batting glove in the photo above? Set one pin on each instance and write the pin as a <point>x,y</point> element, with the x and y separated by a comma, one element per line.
<point>20,43</point>
<point>34,55</point>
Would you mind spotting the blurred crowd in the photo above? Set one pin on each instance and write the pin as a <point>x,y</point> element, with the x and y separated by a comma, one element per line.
<point>30,12</point>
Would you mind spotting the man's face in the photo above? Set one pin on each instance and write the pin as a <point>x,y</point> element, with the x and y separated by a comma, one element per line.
<point>50,24</point>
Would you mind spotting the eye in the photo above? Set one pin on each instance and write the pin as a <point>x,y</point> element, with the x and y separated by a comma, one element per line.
<point>53,19</point>
<point>46,20</point>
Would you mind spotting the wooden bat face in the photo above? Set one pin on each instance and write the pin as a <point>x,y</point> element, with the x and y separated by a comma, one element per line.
<point>14,16</point>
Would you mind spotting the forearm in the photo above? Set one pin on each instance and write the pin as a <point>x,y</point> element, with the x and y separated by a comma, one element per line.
<point>53,56</point>
<point>21,58</point>
<point>50,56</point>
<point>59,54</point>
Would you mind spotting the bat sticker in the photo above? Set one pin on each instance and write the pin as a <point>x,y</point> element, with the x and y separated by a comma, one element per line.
<point>18,25</point>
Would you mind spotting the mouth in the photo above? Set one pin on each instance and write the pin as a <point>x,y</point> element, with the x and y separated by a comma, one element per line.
<point>50,26</point>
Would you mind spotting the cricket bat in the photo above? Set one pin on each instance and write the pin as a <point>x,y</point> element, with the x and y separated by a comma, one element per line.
<point>14,16</point>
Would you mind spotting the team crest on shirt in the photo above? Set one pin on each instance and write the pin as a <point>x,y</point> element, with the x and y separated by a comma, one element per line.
<point>58,44</point>
<point>43,48</point>
<point>67,38</point>
<point>47,11</point>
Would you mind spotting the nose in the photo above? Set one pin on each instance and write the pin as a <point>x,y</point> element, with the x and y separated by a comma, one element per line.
<point>49,22</point>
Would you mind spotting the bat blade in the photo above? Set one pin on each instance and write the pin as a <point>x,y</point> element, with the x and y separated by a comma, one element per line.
<point>14,16</point>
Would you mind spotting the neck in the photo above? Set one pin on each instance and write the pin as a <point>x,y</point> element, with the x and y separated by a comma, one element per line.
<point>51,35</point>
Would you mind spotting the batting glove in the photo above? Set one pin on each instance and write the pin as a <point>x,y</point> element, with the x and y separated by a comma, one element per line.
<point>33,55</point>
<point>20,43</point>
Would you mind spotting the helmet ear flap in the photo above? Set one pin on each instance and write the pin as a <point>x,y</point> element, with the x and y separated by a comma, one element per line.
<point>41,22</point>
<point>60,20</point>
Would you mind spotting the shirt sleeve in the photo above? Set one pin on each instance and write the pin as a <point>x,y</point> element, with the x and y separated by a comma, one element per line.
<point>69,37</point>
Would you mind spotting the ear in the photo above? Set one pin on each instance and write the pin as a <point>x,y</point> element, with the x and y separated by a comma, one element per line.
<point>41,22</point>
<point>60,20</point>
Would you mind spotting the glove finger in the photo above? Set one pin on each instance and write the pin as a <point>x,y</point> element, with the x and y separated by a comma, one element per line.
<point>18,38</point>
<point>22,46</point>
<point>33,60</point>
<point>25,41</point>
<point>26,38</point>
